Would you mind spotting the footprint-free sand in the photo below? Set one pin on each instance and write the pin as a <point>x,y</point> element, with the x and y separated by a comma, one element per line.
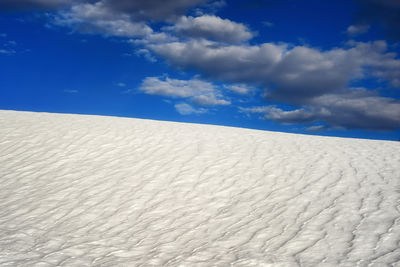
<point>79,190</point>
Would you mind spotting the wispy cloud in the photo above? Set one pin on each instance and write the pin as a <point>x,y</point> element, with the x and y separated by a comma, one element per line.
<point>354,30</point>
<point>197,91</point>
<point>316,128</point>
<point>70,91</point>
<point>268,24</point>
<point>146,54</point>
<point>186,109</point>
<point>7,51</point>
<point>242,89</point>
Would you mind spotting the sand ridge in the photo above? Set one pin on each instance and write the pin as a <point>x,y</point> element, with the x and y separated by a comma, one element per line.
<point>79,190</point>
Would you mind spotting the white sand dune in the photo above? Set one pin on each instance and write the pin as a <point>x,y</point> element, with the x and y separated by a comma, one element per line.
<point>103,191</point>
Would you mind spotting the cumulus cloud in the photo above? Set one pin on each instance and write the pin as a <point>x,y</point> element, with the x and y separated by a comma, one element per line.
<point>123,18</point>
<point>97,18</point>
<point>293,74</point>
<point>174,87</point>
<point>354,30</point>
<point>186,109</point>
<point>352,111</point>
<point>212,27</point>
<point>158,10</point>
<point>131,19</point>
<point>199,92</point>
<point>316,81</point>
<point>277,114</point>
<point>357,109</point>
<point>229,62</point>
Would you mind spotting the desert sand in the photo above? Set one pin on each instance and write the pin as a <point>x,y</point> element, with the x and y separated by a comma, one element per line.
<point>78,190</point>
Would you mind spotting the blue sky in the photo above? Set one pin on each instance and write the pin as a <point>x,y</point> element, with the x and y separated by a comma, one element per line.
<point>295,66</point>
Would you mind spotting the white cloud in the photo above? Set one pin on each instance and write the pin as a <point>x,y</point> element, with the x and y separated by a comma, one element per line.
<point>268,24</point>
<point>120,18</point>
<point>155,10</point>
<point>242,89</point>
<point>199,92</point>
<point>146,54</point>
<point>97,18</point>
<point>71,91</point>
<point>186,109</point>
<point>7,51</point>
<point>129,91</point>
<point>139,10</point>
<point>228,62</point>
<point>174,87</point>
<point>316,81</point>
<point>357,109</point>
<point>11,43</point>
<point>296,73</point>
<point>316,128</point>
<point>212,27</point>
<point>357,29</point>
<point>9,47</point>
<point>209,100</point>
<point>277,114</point>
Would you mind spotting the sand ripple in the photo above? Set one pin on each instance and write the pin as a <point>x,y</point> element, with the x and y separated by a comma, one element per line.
<point>101,191</point>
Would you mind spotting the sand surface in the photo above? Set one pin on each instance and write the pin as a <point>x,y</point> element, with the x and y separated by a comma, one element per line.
<point>103,191</point>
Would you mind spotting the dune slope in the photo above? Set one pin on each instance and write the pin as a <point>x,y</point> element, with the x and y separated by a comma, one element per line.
<point>103,191</point>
